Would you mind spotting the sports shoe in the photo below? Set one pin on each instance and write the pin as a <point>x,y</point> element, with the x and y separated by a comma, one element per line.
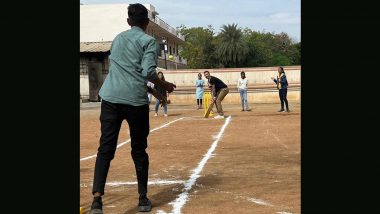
<point>248,109</point>
<point>97,204</point>
<point>242,110</point>
<point>165,115</point>
<point>281,110</point>
<point>219,117</point>
<point>155,114</point>
<point>144,204</point>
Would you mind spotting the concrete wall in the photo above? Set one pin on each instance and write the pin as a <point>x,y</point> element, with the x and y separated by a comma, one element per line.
<point>84,87</point>
<point>255,76</point>
<point>261,87</point>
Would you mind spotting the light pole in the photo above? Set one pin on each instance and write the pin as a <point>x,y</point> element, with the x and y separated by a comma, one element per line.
<point>165,49</point>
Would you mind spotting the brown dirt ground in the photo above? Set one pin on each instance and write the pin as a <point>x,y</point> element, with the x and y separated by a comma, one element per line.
<point>257,158</point>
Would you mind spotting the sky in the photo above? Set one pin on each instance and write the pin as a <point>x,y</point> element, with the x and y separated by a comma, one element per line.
<point>259,15</point>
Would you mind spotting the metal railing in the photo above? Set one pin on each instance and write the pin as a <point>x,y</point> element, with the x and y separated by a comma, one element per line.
<point>166,26</point>
<point>233,90</point>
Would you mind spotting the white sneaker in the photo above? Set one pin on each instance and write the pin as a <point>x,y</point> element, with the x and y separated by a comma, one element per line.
<point>219,117</point>
<point>155,114</point>
<point>165,115</point>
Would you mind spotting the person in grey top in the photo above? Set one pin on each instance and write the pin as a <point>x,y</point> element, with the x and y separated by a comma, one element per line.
<point>133,63</point>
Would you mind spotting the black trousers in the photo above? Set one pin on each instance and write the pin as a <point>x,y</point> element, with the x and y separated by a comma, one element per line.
<point>283,99</point>
<point>111,117</point>
<point>199,101</point>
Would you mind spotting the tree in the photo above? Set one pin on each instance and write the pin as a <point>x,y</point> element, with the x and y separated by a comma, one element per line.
<point>198,48</point>
<point>295,53</point>
<point>270,49</point>
<point>232,50</point>
<point>234,47</point>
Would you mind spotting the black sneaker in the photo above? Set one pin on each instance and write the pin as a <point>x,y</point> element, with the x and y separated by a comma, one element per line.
<point>144,204</point>
<point>281,110</point>
<point>97,204</point>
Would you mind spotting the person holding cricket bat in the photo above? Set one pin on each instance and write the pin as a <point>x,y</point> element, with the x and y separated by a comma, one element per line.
<point>282,86</point>
<point>218,91</point>
<point>133,62</point>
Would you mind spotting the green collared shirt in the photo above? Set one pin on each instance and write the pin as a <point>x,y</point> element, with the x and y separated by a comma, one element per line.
<point>133,61</point>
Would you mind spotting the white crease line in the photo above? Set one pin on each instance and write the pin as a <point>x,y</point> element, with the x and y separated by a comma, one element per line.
<point>278,140</point>
<point>250,199</point>
<point>183,197</point>
<point>153,182</point>
<point>259,201</point>
<point>129,140</point>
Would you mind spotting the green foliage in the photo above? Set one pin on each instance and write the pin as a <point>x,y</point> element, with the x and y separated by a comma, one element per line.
<point>236,47</point>
<point>232,49</point>
<point>199,47</point>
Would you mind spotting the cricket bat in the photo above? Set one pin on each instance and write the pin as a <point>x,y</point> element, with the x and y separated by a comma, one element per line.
<point>209,109</point>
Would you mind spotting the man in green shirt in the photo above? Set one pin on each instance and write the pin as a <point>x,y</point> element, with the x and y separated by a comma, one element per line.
<point>133,62</point>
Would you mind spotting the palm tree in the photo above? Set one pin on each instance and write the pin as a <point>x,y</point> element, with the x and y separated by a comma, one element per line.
<point>232,50</point>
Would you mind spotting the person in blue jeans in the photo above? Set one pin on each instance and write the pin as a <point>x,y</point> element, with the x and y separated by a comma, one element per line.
<point>282,86</point>
<point>164,93</point>
<point>242,86</point>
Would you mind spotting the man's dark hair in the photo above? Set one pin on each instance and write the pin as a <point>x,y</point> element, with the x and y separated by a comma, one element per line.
<point>206,71</point>
<point>242,73</point>
<point>137,14</point>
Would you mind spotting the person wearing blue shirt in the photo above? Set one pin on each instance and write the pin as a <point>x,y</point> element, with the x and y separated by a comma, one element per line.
<point>282,86</point>
<point>199,91</point>
<point>133,62</point>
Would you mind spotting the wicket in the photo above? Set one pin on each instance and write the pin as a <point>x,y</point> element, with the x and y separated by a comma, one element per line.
<point>207,99</point>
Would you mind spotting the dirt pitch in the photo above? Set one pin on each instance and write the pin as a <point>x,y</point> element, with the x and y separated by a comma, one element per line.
<point>255,167</point>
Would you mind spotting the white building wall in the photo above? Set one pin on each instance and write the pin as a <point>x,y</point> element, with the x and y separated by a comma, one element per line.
<point>84,86</point>
<point>102,22</point>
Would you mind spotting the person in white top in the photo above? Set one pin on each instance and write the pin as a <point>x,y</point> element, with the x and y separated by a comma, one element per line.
<point>150,85</point>
<point>242,86</point>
